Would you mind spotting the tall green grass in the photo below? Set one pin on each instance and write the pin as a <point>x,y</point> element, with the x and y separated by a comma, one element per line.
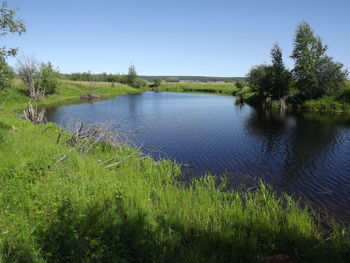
<point>77,210</point>
<point>339,102</point>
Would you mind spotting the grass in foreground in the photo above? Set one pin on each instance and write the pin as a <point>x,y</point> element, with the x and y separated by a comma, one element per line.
<point>77,210</point>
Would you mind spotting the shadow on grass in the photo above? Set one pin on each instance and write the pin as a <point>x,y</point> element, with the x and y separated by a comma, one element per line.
<point>115,230</point>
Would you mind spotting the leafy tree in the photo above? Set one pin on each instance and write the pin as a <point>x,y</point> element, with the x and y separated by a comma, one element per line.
<point>133,80</point>
<point>139,83</point>
<point>9,24</point>
<point>259,79</point>
<point>131,76</point>
<point>281,77</point>
<point>48,78</point>
<point>239,84</point>
<point>156,82</point>
<point>6,74</point>
<point>40,79</point>
<point>315,73</point>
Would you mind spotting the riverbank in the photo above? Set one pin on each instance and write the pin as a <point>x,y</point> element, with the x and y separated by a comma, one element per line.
<point>59,204</point>
<point>338,103</point>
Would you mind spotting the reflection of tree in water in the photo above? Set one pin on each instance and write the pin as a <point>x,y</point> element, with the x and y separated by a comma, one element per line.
<point>303,141</point>
<point>268,126</point>
<point>310,141</point>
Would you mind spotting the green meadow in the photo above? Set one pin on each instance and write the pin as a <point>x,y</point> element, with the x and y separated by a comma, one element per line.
<point>114,204</point>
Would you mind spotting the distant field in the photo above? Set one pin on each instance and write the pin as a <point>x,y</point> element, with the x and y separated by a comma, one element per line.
<point>194,78</point>
<point>224,88</point>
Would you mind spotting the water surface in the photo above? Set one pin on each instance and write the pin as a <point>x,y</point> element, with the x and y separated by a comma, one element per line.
<point>305,155</point>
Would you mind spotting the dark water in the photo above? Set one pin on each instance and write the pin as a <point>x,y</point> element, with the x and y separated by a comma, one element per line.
<point>305,155</point>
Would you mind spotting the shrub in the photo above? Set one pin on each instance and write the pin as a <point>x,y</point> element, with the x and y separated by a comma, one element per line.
<point>156,82</point>
<point>138,83</point>
<point>6,74</point>
<point>48,78</point>
<point>240,84</point>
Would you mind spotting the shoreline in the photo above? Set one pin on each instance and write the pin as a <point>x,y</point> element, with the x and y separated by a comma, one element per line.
<point>55,209</point>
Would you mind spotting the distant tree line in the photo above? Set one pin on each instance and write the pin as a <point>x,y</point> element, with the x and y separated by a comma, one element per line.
<point>131,78</point>
<point>314,75</point>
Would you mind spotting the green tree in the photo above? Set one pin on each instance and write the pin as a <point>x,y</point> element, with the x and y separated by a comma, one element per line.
<point>315,73</point>
<point>131,76</point>
<point>239,84</point>
<point>156,82</point>
<point>6,74</point>
<point>139,83</point>
<point>281,78</point>
<point>40,79</point>
<point>259,79</point>
<point>9,24</point>
<point>48,78</point>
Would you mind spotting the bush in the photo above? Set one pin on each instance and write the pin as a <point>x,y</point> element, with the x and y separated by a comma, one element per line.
<point>156,82</point>
<point>240,84</point>
<point>6,74</point>
<point>138,83</point>
<point>48,78</point>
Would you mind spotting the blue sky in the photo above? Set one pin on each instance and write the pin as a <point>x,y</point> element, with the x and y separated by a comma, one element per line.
<point>174,37</point>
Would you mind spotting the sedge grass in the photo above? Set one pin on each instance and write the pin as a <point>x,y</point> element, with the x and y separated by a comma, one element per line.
<point>77,210</point>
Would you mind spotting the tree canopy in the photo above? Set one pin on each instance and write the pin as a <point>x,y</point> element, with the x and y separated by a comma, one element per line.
<point>315,74</point>
<point>9,24</point>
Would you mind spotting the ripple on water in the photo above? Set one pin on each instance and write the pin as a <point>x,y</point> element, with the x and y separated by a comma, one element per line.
<point>303,156</point>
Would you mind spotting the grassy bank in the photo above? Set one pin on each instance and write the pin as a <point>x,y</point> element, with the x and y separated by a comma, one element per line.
<point>115,205</point>
<point>338,103</point>
<point>222,88</point>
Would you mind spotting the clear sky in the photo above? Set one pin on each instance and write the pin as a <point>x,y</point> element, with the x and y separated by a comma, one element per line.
<point>174,37</point>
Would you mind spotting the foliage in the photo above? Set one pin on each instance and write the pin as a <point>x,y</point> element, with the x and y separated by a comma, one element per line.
<point>6,74</point>
<point>48,78</point>
<point>240,84</point>
<point>40,79</point>
<point>281,77</point>
<point>77,210</point>
<point>131,76</point>
<point>259,79</point>
<point>156,82</point>
<point>139,83</point>
<point>273,81</point>
<point>9,24</point>
<point>315,73</point>
<point>133,80</point>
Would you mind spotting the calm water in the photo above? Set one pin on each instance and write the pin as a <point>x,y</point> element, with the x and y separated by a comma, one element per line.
<point>308,156</point>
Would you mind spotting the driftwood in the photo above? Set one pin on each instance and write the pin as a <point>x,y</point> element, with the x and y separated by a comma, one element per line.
<point>33,114</point>
<point>85,137</point>
<point>89,96</point>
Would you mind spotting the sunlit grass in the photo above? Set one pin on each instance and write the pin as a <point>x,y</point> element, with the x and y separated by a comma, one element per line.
<point>77,210</point>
